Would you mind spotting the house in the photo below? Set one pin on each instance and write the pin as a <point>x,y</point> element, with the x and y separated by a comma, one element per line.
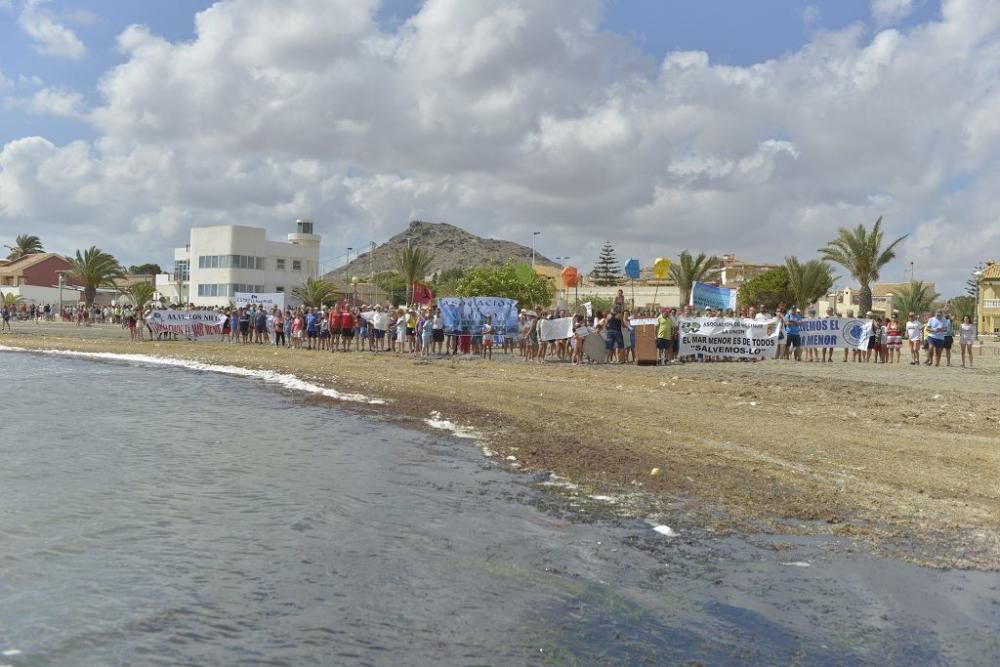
<point>988,293</point>
<point>40,269</point>
<point>221,261</point>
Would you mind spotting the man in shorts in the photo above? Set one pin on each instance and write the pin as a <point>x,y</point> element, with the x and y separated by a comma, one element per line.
<point>664,337</point>
<point>936,329</point>
<point>793,330</point>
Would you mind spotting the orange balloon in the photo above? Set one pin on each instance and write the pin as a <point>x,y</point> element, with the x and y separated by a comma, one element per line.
<point>569,276</point>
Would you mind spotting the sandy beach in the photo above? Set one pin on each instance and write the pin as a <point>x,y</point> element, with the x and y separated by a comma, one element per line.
<point>904,459</point>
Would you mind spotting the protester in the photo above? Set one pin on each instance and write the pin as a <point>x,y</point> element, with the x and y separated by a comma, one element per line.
<point>966,338</point>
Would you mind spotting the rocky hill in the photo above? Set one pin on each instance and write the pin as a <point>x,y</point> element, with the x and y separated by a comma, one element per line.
<point>451,246</point>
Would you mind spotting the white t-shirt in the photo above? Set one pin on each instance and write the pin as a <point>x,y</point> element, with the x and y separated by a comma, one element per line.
<point>913,329</point>
<point>761,317</point>
<point>967,334</point>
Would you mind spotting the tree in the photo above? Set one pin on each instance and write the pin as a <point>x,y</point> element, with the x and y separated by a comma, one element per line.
<point>808,282</point>
<point>502,281</point>
<point>446,282</point>
<point>95,268</point>
<point>769,288</point>
<point>394,285</point>
<point>607,270</point>
<point>145,269</point>
<point>860,253</point>
<point>964,305</point>
<point>25,244</point>
<point>139,293</point>
<point>913,297</point>
<point>316,292</point>
<point>413,262</point>
<point>972,284</point>
<point>10,299</point>
<point>689,270</point>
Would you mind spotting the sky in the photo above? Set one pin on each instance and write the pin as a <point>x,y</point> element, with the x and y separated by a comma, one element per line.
<point>719,126</point>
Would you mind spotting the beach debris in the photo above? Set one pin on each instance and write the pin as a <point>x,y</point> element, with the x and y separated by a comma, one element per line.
<point>797,563</point>
<point>936,397</point>
<point>665,530</point>
<point>654,472</point>
<point>511,458</point>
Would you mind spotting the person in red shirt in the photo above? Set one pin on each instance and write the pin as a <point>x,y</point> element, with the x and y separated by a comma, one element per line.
<point>334,320</point>
<point>346,328</point>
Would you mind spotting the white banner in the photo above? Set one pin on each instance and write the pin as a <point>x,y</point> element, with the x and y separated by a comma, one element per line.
<point>187,323</point>
<point>728,338</point>
<point>642,321</point>
<point>558,329</point>
<point>836,332</point>
<point>378,320</point>
<point>268,300</point>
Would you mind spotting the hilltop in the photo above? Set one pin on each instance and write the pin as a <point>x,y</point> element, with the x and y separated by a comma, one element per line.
<point>452,247</point>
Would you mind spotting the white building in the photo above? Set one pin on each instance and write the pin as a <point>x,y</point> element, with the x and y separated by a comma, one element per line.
<point>220,261</point>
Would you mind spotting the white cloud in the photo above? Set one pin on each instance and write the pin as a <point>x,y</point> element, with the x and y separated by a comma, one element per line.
<point>510,116</point>
<point>51,38</point>
<point>889,11</point>
<point>56,102</point>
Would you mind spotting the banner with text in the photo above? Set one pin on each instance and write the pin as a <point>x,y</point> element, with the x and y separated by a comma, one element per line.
<point>729,338</point>
<point>557,329</point>
<point>836,332</point>
<point>709,296</point>
<point>187,323</point>
<point>467,314</point>
<point>268,300</point>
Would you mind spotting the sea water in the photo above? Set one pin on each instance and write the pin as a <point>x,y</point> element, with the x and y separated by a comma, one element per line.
<point>163,515</point>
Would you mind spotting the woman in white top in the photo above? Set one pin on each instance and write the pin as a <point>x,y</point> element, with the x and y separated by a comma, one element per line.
<point>914,329</point>
<point>966,337</point>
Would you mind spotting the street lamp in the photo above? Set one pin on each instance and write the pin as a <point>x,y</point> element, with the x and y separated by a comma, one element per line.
<point>533,235</point>
<point>348,261</point>
<point>978,275</point>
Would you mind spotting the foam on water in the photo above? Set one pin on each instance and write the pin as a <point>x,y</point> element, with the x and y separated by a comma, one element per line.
<point>467,432</point>
<point>286,380</point>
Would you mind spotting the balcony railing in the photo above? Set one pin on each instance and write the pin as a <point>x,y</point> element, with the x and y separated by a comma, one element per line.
<point>993,304</point>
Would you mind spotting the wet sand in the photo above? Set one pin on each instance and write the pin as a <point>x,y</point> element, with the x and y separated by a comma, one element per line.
<point>905,459</point>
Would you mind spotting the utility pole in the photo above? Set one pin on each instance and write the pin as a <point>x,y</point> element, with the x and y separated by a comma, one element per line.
<point>371,260</point>
<point>533,235</point>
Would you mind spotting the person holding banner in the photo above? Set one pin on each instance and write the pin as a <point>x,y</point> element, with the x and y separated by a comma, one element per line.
<point>793,323</point>
<point>616,340</point>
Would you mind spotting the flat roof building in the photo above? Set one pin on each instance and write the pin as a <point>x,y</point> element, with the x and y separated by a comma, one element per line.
<point>221,261</point>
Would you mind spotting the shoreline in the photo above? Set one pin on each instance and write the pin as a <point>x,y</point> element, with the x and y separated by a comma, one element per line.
<point>802,471</point>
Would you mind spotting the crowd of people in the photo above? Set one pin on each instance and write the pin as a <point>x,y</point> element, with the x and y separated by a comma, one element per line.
<point>420,330</point>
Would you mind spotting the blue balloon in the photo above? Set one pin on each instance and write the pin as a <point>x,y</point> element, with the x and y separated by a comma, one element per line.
<point>632,268</point>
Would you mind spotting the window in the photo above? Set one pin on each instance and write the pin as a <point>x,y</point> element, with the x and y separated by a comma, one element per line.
<point>215,261</point>
<point>296,265</point>
<point>279,263</point>
<point>182,270</point>
<point>279,289</point>
<point>260,263</point>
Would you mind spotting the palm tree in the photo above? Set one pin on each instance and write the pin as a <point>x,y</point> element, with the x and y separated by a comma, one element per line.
<point>808,282</point>
<point>413,262</point>
<point>913,297</point>
<point>861,253</point>
<point>690,270</point>
<point>95,268</point>
<point>10,299</point>
<point>139,293</point>
<point>316,292</point>
<point>25,244</point>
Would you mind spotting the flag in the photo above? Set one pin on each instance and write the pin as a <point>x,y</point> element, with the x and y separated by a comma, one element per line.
<point>422,294</point>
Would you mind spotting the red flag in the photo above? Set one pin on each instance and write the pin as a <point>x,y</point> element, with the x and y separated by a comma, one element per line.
<point>422,294</point>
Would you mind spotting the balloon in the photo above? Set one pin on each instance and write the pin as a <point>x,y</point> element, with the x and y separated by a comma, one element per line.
<point>661,268</point>
<point>569,276</point>
<point>632,268</point>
